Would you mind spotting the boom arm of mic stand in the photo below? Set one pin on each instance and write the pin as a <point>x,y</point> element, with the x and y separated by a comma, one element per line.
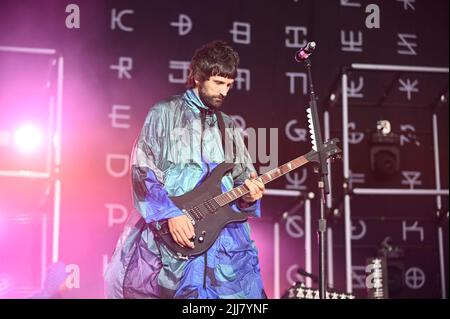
<point>323,165</point>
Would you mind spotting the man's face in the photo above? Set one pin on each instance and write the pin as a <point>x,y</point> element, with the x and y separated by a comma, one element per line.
<point>213,91</point>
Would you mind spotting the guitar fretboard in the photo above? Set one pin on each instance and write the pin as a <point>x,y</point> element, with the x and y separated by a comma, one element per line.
<point>237,192</point>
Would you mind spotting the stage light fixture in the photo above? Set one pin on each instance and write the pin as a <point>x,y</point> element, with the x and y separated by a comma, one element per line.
<point>28,137</point>
<point>384,151</point>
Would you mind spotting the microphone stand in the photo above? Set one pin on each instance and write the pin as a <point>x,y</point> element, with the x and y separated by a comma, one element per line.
<point>323,184</point>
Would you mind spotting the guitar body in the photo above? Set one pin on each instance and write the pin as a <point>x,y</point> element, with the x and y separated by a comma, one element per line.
<point>214,218</point>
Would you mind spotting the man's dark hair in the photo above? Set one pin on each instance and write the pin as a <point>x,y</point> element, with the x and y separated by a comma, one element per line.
<point>215,58</point>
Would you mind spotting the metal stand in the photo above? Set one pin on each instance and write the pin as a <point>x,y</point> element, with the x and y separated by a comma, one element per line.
<point>323,184</point>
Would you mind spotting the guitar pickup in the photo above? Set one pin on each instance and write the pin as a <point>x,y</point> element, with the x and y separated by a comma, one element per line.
<point>185,212</point>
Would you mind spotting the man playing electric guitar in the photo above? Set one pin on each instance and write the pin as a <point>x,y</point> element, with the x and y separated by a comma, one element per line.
<point>167,164</point>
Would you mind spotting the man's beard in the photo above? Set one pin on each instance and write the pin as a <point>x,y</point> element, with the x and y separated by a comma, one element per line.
<point>213,102</point>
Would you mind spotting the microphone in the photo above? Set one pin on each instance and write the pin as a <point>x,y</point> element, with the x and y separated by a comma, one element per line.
<point>304,53</point>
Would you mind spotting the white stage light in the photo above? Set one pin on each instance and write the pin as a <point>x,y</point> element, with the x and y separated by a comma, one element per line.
<point>28,138</point>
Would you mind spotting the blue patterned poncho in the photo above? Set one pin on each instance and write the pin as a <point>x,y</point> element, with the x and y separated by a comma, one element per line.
<point>168,160</point>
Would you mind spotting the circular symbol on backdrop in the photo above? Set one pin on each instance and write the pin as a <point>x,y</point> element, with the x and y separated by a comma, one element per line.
<point>414,278</point>
<point>293,226</point>
<point>184,24</point>
<point>295,134</point>
<point>362,232</point>
<point>239,121</point>
<point>292,275</point>
<point>354,137</point>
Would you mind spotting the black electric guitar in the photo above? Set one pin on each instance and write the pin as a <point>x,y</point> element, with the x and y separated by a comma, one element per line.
<point>208,208</point>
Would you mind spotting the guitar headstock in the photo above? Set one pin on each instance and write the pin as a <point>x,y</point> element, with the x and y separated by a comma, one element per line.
<point>330,150</point>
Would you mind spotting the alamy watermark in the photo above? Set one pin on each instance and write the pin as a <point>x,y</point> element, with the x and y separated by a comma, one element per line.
<point>262,144</point>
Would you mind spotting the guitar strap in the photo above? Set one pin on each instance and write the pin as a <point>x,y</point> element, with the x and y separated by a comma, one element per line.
<point>222,133</point>
<point>222,129</point>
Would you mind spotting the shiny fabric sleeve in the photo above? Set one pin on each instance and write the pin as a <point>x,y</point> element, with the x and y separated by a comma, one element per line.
<point>243,168</point>
<point>147,170</point>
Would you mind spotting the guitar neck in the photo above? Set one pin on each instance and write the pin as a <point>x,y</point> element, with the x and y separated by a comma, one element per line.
<point>237,192</point>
